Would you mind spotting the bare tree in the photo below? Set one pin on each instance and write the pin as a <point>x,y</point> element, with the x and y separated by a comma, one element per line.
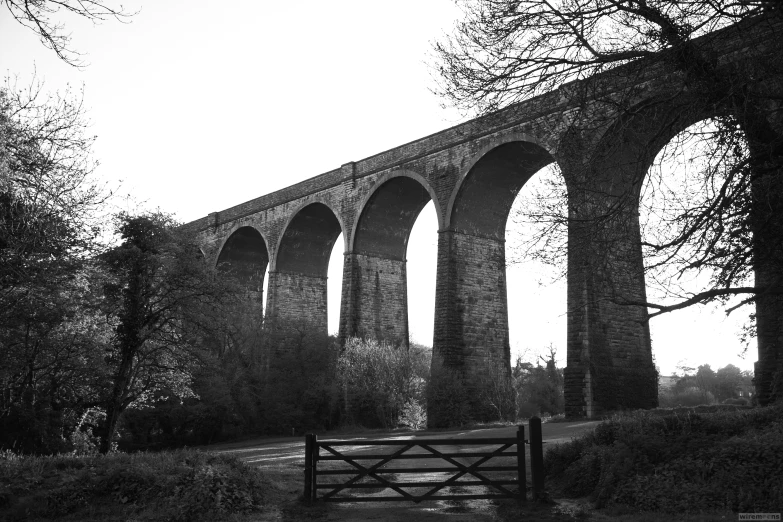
<point>40,17</point>
<point>730,224</point>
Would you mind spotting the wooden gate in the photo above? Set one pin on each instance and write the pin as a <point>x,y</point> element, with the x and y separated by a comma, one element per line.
<point>508,455</point>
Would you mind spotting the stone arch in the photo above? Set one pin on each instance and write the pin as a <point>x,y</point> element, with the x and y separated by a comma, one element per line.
<point>375,295</point>
<point>471,317</point>
<point>626,150</point>
<point>387,213</point>
<point>307,239</point>
<point>245,252</point>
<point>495,174</point>
<point>609,346</point>
<point>298,281</point>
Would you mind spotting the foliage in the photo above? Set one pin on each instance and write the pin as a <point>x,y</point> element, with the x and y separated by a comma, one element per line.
<point>179,485</point>
<point>380,379</point>
<point>692,396</point>
<point>49,199</point>
<point>731,383</point>
<point>539,388</point>
<point>707,387</point>
<point>299,388</point>
<point>159,298</point>
<point>51,331</point>
<point>413,415</point>
<point>676,463</point>
<point>253,381</point>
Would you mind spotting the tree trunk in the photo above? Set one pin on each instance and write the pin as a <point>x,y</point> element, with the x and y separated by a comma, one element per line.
<point>116,404</point>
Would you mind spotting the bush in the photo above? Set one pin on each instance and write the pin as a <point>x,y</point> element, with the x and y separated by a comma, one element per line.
<point>179,485</point>
<point>413,415</point>
<point>380,381</point>
<point>298,387</point>
<point>276,382</point>
<point>540,389</point>
<point>688,397</point>
<point>677,463</point>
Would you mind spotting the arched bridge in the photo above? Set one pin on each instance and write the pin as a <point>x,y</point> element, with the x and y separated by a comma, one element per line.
<point>603,136</point>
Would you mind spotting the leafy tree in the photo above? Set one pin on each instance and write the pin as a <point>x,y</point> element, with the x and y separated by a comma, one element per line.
<point>539,388</point>
<point>705,378</point>
<point>49,200</point>
<point>706,386</point>
<point>51,364</point>
<point>731,228</point>
<point>730,382</point>
<point>50,328</point>
<point>160,298</point>
<point>37,16</point>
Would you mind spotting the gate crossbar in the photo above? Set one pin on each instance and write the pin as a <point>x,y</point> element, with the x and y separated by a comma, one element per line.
<point>475,472</point>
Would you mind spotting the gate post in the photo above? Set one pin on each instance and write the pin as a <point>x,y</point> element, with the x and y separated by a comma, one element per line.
<point>308,468</point>
<point>537,458</point>
<point>314,467</point>
<point>521,471</point>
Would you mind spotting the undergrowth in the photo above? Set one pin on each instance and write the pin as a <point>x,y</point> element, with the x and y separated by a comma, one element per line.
<point>680,463</point>
<point>173,485</point>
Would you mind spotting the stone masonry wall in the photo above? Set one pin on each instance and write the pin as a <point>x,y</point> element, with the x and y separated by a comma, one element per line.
<point>379,307</point>
<point>471,318</point>
<point>299,300</point>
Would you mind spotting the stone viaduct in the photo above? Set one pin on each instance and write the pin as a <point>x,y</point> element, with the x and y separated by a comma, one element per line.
<point>603,134</point>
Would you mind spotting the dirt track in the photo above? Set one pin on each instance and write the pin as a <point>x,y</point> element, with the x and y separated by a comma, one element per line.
<point>284,458</point>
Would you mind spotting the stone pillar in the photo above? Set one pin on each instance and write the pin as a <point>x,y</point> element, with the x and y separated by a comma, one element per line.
<point>610,366</point>
<point>767,226</point>
<point>375,299</point>
<point>471,348</point>
<point>768,369</point>
<point>297,301</point>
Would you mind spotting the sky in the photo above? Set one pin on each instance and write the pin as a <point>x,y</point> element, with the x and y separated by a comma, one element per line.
<point>198,108</point>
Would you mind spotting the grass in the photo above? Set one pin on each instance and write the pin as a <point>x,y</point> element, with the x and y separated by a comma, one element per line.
<point>173,485</point>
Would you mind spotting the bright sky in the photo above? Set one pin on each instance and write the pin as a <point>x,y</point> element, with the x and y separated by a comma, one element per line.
<point>198,108</point>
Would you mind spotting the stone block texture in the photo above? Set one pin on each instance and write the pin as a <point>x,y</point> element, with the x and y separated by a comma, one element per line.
<point>377,287</point>
<point>298,300</point>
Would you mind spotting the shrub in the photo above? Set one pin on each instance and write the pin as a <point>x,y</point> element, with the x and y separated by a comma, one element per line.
<point>677,463</point>
<point>179,485</point>
<point>274,382</point>
<point>380,380</point>
<point>539,388</point>
<point>413,415</point>
<point>688,397</point>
